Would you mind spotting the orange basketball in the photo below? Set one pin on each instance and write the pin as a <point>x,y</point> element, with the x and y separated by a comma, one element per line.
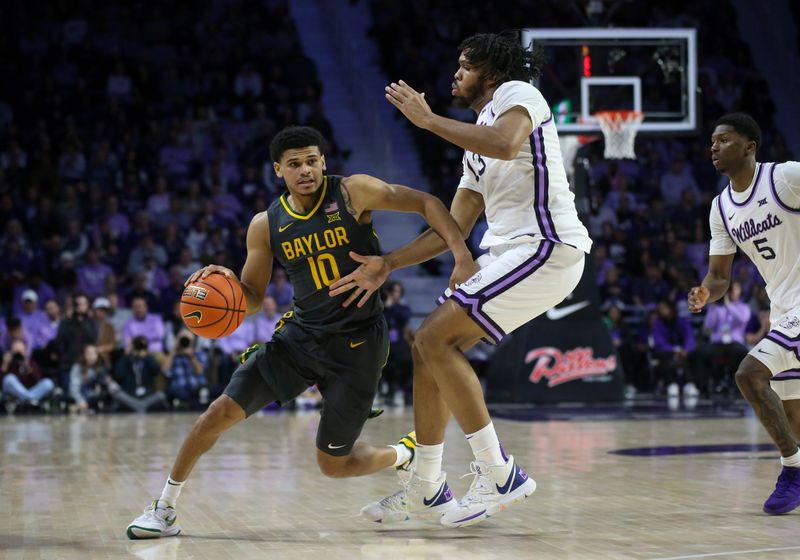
<point>214,306</point>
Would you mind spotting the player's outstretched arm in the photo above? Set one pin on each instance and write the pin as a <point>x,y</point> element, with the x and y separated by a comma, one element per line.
<point>363,194</point>
<point>714,285</point>
<point>502,140</point>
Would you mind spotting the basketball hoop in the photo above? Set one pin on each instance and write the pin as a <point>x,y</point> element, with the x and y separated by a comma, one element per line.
<point>619,128</point>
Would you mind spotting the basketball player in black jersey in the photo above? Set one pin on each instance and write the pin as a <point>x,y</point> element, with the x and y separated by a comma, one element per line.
<point>310,230</point>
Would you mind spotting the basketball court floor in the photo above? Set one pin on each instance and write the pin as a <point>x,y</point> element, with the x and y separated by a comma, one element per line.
<point>640,482</point>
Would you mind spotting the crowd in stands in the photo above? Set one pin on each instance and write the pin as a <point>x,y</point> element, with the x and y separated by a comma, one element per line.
<point>133,150</point>
<point>649,216</point>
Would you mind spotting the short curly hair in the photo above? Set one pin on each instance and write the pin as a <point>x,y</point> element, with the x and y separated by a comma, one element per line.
<point>743,124</point>
<point>502,56</point>
<point>294,138</point>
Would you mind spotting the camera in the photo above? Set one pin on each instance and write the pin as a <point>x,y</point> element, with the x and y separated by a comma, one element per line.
<point>17,357</point>
<point>184,342</point>
<point>140,344</point>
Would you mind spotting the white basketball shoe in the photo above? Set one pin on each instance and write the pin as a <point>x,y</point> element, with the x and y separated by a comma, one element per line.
<point>419,498</point>
<point>158,520</point>
<point>494,488</point>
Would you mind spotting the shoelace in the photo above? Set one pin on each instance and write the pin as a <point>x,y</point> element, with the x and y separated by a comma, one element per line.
<point>153,508</point>
<point>480,485</point>
<point>785,481</point>
<point>396,499</point>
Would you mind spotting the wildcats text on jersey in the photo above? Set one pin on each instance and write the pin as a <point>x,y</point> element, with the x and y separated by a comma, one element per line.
<point>305,245</point>
<point>751,228</point>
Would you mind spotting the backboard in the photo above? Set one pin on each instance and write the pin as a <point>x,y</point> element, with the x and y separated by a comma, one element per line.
<point>653,70</point>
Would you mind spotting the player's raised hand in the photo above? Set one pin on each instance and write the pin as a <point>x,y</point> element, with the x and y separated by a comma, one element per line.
<point>363,281</point>
<point>698,296</point>
<point>410,102</point>
<point>210,269</point>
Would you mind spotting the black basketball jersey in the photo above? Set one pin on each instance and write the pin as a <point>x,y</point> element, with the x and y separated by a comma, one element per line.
<point>314,249</point>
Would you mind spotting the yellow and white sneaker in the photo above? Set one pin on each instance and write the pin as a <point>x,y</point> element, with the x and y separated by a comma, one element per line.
<point>410,442</point>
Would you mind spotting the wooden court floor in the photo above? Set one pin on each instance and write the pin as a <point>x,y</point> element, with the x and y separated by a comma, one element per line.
<point>69,486</point>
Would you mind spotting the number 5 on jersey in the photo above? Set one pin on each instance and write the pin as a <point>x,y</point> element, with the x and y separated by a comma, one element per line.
<point>764,250</point>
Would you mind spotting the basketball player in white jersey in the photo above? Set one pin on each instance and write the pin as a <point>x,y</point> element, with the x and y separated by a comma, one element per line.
<point>759,213</point>
<point>536,244</point>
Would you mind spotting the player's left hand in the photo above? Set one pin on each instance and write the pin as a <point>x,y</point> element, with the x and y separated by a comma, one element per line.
<point>410,102</point>
<point>463,271</point>
<point>363,281</point>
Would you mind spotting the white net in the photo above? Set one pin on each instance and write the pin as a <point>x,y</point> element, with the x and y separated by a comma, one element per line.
<point>619,129</point>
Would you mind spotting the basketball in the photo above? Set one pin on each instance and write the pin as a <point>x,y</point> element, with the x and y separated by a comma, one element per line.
<point>214,306</point>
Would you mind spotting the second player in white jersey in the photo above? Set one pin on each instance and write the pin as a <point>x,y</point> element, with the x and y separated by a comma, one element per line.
<point>528,197</point>
<point>759,212</point>
<point>764,222</point>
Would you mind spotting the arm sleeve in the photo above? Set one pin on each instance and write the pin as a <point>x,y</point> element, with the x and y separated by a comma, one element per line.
<point>521,94</point>
<point>660,340</point>
<point>787,183</point>
<point>721,242</point>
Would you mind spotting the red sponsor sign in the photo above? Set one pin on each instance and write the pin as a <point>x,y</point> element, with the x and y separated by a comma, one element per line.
<point>561,367</point>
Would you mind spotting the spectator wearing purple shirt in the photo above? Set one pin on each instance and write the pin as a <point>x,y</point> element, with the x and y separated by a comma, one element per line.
<point>176,156</point>
<point>118,223</point>
<point>725,324</point>
<point>673,349</point>
<point>187,263</point>
<point>53,311</point>
<point>34,321</point>
<point>147,247</point>
<point>142,323</point>
<point>156,278</point>
<point>264,323</point>
<point>158,203</point>
<point>232,347</point>
<point>281,290</point>
<point>14,262</point>
<point>137,287</point>
<point>11,330</point>
<point>650,289</point>
<point>227,207</point>
<point>44,291</point>
<point>92,275</point>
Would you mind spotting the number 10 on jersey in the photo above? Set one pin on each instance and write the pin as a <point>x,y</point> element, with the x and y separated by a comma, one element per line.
<point>324,270</point>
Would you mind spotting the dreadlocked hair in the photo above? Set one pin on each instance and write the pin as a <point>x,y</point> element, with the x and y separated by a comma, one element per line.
<point>502,56</point>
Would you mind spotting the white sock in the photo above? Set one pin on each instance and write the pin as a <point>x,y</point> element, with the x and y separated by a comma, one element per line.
<point>403,454</point>
<point>171,491</point>
<point>486,446</point>
<point>791,461</point>
<point>429,461</point>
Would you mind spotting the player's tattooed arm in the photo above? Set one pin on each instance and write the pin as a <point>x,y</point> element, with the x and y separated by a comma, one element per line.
<point>348,202</point>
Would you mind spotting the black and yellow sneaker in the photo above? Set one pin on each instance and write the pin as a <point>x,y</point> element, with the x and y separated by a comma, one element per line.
<point>410,442</point>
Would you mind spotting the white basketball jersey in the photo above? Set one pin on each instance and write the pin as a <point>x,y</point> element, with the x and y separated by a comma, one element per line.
<point>764,222</point>
<point>528,197</point>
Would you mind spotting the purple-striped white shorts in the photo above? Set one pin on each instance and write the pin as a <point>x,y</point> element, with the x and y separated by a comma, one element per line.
<point>518,284</point>
<point>779,350</point>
